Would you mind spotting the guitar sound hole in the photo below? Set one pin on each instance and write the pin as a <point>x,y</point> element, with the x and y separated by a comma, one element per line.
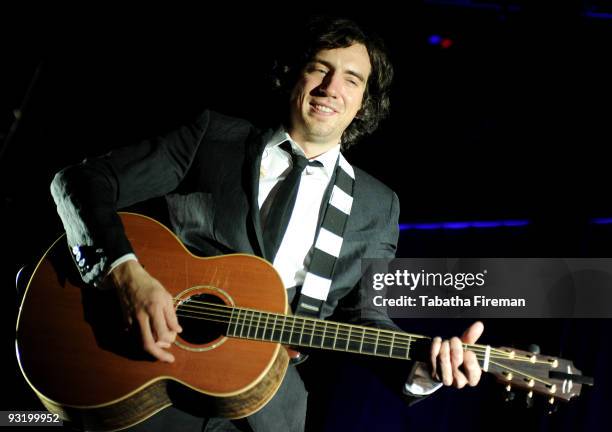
<point>202,322</point>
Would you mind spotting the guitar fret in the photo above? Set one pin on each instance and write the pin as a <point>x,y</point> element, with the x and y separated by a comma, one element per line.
<point>248,326</point>
<point>348,340</point>
<point>376,343</point>
<point>302,332</point>
<point>336,336</point>
<point>266,327</point>
<point>244,320</point>
<point>258,321</point>
<point>283,329</point>
<point>291,332</point>
<point>251,325</point>
<point>237,321</point>
<point>312,330</point>
<point>272,326</point>
<point>392,342</point>
<point>324,330</point>
<point>229,326</point>
<point>396,350</point>
<point>274,338</point>
<point>371,343</point>
<point>362,337</point>
<point>329,338</point>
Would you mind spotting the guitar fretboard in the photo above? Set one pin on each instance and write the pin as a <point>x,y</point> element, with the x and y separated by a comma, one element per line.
<point>309,332</point>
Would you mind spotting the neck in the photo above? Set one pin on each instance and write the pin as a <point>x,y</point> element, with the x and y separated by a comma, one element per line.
<point>310,148</point>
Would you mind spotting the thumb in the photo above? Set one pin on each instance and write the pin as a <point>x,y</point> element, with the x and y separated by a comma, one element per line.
<point>472,334</point>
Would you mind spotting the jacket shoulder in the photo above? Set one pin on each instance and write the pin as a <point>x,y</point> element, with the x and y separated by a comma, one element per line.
<point>222,125</point>
<point>366,184</point>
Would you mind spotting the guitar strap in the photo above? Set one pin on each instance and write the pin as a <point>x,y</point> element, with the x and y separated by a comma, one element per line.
<point>328,242</point>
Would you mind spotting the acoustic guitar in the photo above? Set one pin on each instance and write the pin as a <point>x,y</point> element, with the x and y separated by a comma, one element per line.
<point>77,356</point>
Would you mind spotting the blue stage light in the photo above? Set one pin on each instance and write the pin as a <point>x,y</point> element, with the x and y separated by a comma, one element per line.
<point>464,224</point>
<point>435,39</point>
<point>601,221</point>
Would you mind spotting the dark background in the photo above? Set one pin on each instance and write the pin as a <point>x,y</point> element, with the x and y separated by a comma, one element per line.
<point>510,122</point>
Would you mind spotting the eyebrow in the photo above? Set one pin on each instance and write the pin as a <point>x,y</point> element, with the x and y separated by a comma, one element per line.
<point>325,63</point>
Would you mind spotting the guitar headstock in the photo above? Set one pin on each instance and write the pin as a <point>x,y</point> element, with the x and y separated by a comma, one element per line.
<point>553,377</point>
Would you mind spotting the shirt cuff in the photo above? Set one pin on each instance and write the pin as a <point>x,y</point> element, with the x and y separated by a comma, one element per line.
<point>121,260</point>
<point>420,382</point>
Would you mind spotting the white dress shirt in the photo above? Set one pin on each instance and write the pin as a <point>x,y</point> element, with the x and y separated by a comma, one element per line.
<point>296,246</point>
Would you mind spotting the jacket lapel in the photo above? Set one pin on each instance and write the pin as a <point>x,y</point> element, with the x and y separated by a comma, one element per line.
<point>254,151</point>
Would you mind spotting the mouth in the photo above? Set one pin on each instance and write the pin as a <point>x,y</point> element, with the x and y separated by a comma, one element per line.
<point>322,109</point>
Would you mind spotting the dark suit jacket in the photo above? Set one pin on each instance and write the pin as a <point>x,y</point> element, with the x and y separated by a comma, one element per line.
<point>208,172</point>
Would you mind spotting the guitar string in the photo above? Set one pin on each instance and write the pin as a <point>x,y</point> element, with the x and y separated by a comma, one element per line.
<point>307,331</point>
<point>384,332</point>
<point>228,310</point>
<point>389,336</point>
<point>356,340</point>
<point>323,333</point>
<point>474,347</point>
<point>479,355</point>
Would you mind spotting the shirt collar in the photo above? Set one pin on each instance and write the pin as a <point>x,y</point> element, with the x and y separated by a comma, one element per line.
<point>328,159</point>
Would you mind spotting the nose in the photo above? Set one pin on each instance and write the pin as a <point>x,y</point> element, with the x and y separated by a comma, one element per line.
<point>331,84</point>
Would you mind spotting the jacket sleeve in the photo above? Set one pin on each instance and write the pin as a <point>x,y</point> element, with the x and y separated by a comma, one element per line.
<point>88,194</point>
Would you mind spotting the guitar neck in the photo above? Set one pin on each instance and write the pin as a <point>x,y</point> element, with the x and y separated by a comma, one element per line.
<point>329,335</point>
<point>535,373</point>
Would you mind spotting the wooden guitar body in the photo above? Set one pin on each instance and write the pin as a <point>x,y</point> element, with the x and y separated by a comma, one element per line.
<point>76,354</point>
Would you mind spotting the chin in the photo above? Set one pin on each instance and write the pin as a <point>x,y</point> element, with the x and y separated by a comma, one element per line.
<point>320,132</point>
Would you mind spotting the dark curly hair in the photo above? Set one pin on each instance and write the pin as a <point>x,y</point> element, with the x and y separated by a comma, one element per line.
<point>329,33</point>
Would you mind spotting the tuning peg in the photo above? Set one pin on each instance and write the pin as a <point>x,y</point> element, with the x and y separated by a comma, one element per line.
<point>509,394</point>
<point>534,349</point>
<point>529,400</point>
<point>552,406</point>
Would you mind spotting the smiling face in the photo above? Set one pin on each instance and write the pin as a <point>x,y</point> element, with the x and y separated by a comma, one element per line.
<point>328,96</point>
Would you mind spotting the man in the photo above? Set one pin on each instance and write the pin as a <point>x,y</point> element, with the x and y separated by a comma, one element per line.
<point>223,182</point>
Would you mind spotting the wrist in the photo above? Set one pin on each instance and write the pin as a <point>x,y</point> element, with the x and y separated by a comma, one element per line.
<point>125,271</point>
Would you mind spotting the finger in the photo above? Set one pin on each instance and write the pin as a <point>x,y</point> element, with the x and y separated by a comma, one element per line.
<point>472,368</point>
<point>148,343</point>
<point>160,327</point>
<point>456,352</point>
<point>456,356</point>
<point>473,332</point>
<point>433,355</point>
<point>444,363</point>
<point>171,318</point>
